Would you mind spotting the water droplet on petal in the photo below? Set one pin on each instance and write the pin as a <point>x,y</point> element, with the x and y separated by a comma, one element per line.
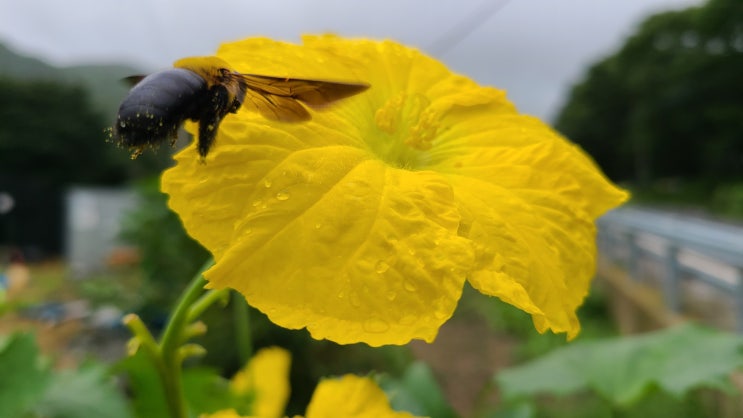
<point>381,267</point>
<point>267,183</point>
<point>391,295</point>
<point>409,286</point>
<point>440,309</point>
<point>439,314</point>
<point>318,225</point>
<point>376,325</point>
<point>257,203</point>
<point>282,195</point>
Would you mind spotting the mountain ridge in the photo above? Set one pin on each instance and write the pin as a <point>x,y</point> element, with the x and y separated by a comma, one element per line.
<point>103,82</point>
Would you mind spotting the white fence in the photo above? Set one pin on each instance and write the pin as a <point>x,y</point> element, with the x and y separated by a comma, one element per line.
<point>683,249</point>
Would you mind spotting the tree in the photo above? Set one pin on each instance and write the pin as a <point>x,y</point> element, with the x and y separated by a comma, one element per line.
<point>50,137</point>
<point>668,103</point>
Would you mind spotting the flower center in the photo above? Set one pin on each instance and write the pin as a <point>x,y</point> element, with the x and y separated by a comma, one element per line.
<point>411,126</point>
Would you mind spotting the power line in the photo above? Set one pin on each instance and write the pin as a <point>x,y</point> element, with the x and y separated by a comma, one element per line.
<point>466,26</point>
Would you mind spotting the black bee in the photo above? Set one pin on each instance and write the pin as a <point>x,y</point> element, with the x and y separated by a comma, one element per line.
<point>205,90</point>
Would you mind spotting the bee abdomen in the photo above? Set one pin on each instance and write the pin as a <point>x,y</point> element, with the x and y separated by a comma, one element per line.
<point>157,105</point>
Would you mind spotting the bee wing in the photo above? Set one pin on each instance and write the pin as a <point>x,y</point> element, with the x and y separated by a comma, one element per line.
<point>276,98</point>
<point>274,107</point>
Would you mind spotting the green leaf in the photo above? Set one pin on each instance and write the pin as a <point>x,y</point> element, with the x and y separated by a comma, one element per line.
<point>23,378</point>
<point>148,397</point>
<point>207,392</point>
<point>520,409</point>
<point>623,370</point>
<point>87,392</point>
<point>204,389</point>
<point>417,392</point>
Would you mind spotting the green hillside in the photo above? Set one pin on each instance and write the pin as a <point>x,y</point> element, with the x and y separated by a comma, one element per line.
<point>103,82</point>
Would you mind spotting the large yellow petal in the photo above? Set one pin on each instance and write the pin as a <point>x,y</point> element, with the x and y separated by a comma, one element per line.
<point>529,200</point>
<point>351,397</point>
<point>342,244</point>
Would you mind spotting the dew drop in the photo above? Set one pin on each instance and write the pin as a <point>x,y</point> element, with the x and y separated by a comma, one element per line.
<point>282,195</point>
<point>341,295</point>
<point>318,225</point>
<point>257,203</point>
<point>381,267</point>
<point>440,310</point>
<point>409,286</point>
<point>439,314</point>
<point>376,325</point>
<point>391,295</point>
<point>122,124</point>
<point>267,183</point>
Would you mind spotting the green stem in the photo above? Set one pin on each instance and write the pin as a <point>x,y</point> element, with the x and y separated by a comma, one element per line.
<point>171,341</point>
<point>167,355</point>
<point>243,336</point>
<point>205,301</point>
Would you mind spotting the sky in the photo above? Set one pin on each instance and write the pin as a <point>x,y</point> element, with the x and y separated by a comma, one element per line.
<point>534,49</point>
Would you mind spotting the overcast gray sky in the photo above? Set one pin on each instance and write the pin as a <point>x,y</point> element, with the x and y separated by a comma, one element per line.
<point>535,49</point>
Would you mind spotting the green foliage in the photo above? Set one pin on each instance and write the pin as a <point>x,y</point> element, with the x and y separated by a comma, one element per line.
<point>205,390</point>
<point>50,131</point>
<point>147,395</point>
<point>169,256</point>
<point>728,199</point>
<point>667,104</point>
<point>625,370</point>
<point>23,377</point>
<point>87,392</point>
<point>417,392</point>
<point>29,388</point>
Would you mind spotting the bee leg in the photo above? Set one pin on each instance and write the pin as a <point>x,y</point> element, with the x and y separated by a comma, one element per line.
<point>211,116</point>
<point>207,134</point>
<point>173,137</point>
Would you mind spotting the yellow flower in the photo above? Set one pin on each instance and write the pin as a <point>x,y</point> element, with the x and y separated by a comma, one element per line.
<point>352,397</point>
<point>363,224</point>
<point>265,379</point>
<point>348,397</point>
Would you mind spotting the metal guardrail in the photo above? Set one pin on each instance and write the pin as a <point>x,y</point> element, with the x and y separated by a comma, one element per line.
<point>687,248</point>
